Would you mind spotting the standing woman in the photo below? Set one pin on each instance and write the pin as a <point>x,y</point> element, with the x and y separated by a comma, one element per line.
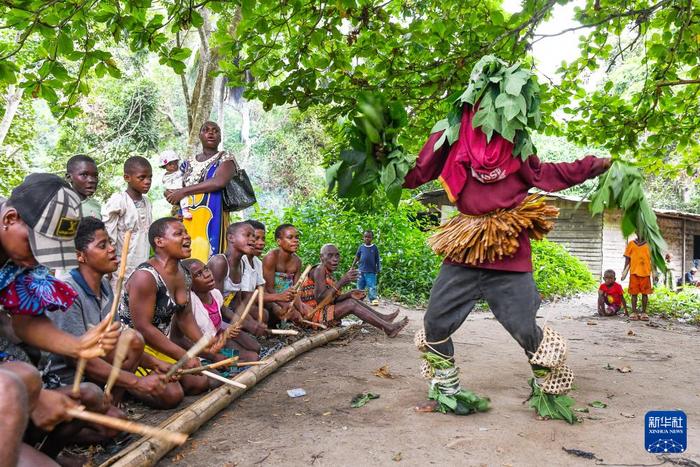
<point>205,178</point>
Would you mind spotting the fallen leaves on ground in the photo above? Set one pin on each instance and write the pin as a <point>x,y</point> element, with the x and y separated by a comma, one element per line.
<point>397,457</point>
<point>383,372</point>
<point>598,404</point>
<point>361,399</point>
<point>624,369</point>
<point>631,333</point>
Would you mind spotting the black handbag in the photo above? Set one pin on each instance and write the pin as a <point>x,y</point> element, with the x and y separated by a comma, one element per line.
<point>238,193</point>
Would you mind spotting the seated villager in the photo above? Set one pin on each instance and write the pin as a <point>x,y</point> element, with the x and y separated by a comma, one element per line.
<point>96,259</point>
<point>156,297</point>
<point>235,278</point>
<point>22,399</point>
<point>281,270</point>
<point>611,296</point>
<point>206,305</point>
<point>329,305</point>
<point>39,223</point>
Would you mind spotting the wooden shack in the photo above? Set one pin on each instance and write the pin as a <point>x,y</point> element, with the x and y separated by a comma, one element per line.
<point>597,240</point>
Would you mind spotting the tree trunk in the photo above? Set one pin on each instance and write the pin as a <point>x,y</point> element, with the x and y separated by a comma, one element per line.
<point>12,100</point>
<point>220,106</point>
<point>203,94</point>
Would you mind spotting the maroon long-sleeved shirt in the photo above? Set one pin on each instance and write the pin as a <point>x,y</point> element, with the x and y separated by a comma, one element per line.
<point>478,198</point>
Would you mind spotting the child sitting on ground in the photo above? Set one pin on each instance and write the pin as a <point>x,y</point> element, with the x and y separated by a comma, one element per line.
<point>172,179</point>
<point>206,303</point>
<point>611,297</point>
<point>281,270</point>
<point>322,293</point>
<point>131,210</point>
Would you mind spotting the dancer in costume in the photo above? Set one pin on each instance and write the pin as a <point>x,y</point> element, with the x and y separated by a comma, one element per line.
<point>484,162</point>
<point>206,176</point>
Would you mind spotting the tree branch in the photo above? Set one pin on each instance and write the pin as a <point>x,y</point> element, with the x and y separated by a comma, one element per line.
<point>677,83</point>
<point>169,116</point>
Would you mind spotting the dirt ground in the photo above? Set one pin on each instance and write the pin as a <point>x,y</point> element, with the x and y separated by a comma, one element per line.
<point>268,428</point>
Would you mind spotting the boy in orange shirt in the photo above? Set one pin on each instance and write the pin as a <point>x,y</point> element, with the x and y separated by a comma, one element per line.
<point>638,264</point>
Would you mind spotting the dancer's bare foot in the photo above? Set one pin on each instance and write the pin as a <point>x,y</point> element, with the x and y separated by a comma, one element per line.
<point>426,407</point>
<point>398,327</point>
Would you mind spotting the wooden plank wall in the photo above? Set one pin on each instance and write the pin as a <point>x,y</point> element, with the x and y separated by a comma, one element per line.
<point>579,232</point>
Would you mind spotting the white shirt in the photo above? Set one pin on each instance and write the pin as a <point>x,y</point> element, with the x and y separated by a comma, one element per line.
<point>172,180</point>
<point>120,214</point>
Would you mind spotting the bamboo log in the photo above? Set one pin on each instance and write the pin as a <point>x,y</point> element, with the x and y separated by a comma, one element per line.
<point>147,452</point>
<point>283,332</point>
<point>230,382</point>
<point>228,362</point>
<point>128,426</point>
<point>80,367</point>
<point>191,353</point>
<point>119,356</point>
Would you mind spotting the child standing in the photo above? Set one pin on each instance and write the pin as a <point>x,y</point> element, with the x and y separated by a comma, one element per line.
<point>81,173</point>
<point>638,264</point>
<point>611,297</point>
<point>369,264</point>
<point>131,210</point>
<point>172,179</point>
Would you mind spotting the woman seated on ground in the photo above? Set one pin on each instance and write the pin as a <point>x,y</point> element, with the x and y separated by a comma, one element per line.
<point>97,258</point>
<point>156,296</point>
<point>329,305</point>
<point>281,270</point>
<point>27,293</point>
<point>206,305</point>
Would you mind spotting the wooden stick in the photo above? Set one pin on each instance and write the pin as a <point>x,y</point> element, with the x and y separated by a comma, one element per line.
<point>311,323</point>
<point>261,291</point>
<point>80,368</point>
<point>127,425</point>
<point>302,278</point>
<point>119,356</point>
<point>283,332</point>
<point>228,362</point>
<point>224,380</point>
<point>191,353</point>
<point>244,315</point>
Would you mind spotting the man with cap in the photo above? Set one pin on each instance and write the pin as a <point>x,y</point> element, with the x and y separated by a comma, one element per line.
<point>690,277</point>
<point>172,179</point>
<point>38,224</point>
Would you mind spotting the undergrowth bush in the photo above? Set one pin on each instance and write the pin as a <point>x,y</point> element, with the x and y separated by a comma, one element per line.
<point>683,305</point>
<point>409,266</point>
<point>557,273</point>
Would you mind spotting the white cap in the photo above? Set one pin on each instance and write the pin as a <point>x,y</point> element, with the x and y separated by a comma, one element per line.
<point>168,156</point>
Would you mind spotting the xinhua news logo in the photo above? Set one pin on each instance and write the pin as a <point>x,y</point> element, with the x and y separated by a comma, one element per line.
<point>665,431</point>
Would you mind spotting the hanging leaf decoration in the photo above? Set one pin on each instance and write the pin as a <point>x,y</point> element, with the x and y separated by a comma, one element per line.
<point>374,158</point>
<point>622,187</point>
<point>509,104</point>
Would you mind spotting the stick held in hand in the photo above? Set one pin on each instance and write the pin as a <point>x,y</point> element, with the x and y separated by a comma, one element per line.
<point>191,353</point>
<point>127,425</point>
<point>119,356</point>
<point>107,321</point>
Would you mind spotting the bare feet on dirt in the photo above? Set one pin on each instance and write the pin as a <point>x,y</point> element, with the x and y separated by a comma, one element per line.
<point>398,327</point>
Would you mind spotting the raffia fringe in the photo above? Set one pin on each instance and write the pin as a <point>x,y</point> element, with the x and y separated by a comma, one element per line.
<point>493,236</point>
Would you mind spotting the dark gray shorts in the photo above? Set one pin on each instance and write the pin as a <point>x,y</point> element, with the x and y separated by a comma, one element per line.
<point>512,297</point>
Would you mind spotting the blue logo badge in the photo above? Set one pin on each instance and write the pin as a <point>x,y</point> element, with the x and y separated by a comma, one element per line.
<point>665,431</point>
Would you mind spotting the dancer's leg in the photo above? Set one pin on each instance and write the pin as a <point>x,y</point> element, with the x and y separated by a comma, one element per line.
<point>514,301</point>
<point>453,296</point>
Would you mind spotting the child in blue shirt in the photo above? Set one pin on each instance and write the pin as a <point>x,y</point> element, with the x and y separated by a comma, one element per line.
<point>369,264</point>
